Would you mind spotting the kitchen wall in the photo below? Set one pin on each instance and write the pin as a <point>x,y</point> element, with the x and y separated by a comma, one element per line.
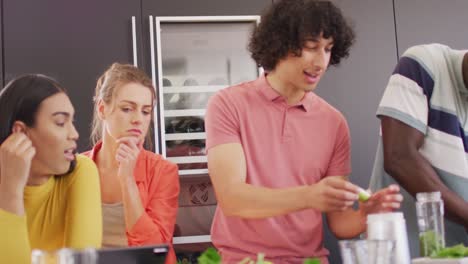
<point>355,86</point>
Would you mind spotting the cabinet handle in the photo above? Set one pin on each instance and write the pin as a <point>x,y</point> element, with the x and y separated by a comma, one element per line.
<point>134,42</point>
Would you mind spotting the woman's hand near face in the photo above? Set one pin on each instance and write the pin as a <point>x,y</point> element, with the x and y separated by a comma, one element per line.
<point>16,154</point>
<point>127,154</point>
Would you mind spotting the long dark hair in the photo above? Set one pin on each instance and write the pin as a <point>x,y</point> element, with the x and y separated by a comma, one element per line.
<point>20,101</point>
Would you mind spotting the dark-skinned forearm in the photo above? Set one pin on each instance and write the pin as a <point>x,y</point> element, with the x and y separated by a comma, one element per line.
<point>415,174</point>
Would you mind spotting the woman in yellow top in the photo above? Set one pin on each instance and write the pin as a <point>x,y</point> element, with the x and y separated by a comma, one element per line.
<point>49,197</point>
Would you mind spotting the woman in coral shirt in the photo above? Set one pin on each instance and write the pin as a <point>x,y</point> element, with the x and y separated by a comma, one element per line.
<point>139,189</point>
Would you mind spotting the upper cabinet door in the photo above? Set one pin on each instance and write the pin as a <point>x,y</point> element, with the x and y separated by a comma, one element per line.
<point>1,53</point>
<point>431,21</point>
<point>157,8</point>
<point>71,41</point>
<point>203,7</point>
<point>172,8</point>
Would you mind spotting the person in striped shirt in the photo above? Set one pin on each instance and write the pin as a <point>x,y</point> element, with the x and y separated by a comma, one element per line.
<point>424,143</point>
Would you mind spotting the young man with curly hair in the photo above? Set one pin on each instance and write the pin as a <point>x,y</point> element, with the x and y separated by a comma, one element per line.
<point>278,154</point>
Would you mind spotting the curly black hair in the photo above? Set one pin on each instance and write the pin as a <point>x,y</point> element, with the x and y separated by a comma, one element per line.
<point>288,24</point>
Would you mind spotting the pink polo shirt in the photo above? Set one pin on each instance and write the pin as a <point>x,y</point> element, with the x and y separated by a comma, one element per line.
<point>284,146</point>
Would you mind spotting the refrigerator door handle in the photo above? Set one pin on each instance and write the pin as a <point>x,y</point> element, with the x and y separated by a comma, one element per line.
<point>134,42</point>
<point>156,87</point>
<point>153,65</point>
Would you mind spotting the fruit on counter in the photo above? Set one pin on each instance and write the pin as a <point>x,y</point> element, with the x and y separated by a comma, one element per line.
<point>211,256</point>
<point>429,243</point>
<point>457,251</point>
<point>311,261</point>
<point>363,195</point>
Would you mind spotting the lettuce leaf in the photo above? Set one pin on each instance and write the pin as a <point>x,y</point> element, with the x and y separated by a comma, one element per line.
<point>457,251</point>
<point>209,256</point>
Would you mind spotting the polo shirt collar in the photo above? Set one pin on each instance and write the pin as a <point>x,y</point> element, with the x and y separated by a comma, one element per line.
<point>271,94</point>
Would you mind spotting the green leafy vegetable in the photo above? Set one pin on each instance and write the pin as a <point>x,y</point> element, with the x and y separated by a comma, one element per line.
<point>429,243</point>
<point>457,251</point>
<point>311,261</point>
<point>209,256</point>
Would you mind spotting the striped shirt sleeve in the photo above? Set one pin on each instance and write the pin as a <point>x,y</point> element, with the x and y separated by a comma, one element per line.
<point>406,97</point>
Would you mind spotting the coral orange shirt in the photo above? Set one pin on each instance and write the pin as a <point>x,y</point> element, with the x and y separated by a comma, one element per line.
<point>158,183</point>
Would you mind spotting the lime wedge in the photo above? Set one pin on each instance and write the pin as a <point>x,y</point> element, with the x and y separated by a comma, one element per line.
<point>363,195</point>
